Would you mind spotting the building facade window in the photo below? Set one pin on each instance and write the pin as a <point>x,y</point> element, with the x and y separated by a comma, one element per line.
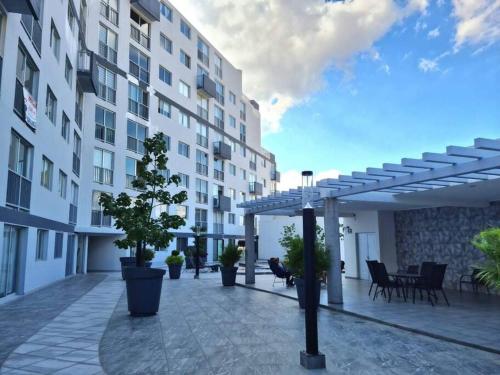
<point>219,92</point>
<point>42,244</point>
<point>140,30</point>
<point>219,117</point>
<point>73,205</point>
<point>185,29</point>
<point>131,166</point>
<point>219,169</point>
<point>46,175</point>
<point>201,218</point>
<point>71,18</point>
<point>164,108</point>
<point>232,98</point>
<point>77,151</point>
<point>63,184</point>
<point>51,105</point>
<point>65,126</point>
<point>218,66</point>
<point>243,174</point>
<point>231,218</point>
<point>58,245</point>
<point>165,75</point>
<point>184,180</point>
<point>243,133</point>
<point>27,75</point>
<point>232,121</point>
<point>165,43</point>
<point>20,173</point>
<point>185,59</point>
<point>68,72</point>
<point>184,119</point>
<point>201,191</point>
<point>138,101</point>
<point>136,135</point>
<point>138,64</point>
<point>243,111</point>
<point>184,89</point>
<point>232,194</point>
<point>201,135</point>
<point>182,211</point>
<point>203,52</point>
<point>108,44</point>
<point>107,85</point>
<point>34,28</point>
<point>201,163</point>
<point>166,11</point>
<point>55,40</point>
<point>232,169</point>
<point>105,124</point>
<point>98,219</point>
<point>202,107</point>
<point>183,149</point>
<point>109,10</point>
<point>103,166</point>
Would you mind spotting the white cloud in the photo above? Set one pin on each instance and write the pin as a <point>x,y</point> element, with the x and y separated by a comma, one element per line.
<point>440,3</point>
<point>292,179</point>
<point>478,22</point>
<point>420,26</point>
<point>427,65</point>
<point>434,33</point>
<point>285,46</point>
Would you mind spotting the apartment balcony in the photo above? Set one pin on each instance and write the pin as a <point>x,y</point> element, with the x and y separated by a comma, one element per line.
<point>73,212</point>
<point>275,176</point>
<point>205,86</point>
<point>222,203</point>
<point>141,38</point>
<point>222,150</point>
<point>28,7</point>
<point>218,228</point>
<point>18,192</point>
<point>148,8</point>
<point>109,13</point>
<point>255,188</point>
<point>87,73</point>
<point>103,176</point>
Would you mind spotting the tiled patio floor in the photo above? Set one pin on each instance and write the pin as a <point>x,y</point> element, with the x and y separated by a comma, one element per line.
<point>471,318</point>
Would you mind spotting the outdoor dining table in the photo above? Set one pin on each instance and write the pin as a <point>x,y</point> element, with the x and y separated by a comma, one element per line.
<point>407,277</point>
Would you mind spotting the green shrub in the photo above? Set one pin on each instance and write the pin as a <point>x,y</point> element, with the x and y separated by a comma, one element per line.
<point>230,256</point>
<point>488,241</point>
<point>174,259</point>
<point>294,246</point>
<point>148,255</point>
<point>175,252</point>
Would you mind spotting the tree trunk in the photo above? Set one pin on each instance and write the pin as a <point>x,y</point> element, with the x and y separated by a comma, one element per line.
<point>139,254</point>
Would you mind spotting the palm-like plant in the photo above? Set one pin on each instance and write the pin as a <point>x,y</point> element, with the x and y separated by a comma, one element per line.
<point>488,242</point>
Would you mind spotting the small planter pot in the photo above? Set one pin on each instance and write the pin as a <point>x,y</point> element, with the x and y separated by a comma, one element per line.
<point>126,262</point>
<point>301,294</point>
<point>143,290</point>
<point>228,275</point>
<point>174,271</point>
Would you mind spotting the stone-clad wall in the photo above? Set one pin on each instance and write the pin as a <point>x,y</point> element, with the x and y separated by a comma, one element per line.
<point>443,235</point>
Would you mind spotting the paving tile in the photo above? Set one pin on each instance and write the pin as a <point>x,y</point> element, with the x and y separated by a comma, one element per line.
<point>80,369</point>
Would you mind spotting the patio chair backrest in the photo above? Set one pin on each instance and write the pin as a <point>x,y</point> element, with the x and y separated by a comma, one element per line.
<point>437,276</point>
<point>412,269</point>
<point>426,268</point>
<point>381,276</point>
<point>276,268</point>
<point>369,264</point>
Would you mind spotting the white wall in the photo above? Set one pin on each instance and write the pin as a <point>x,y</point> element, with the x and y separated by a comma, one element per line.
<point>103,255</point>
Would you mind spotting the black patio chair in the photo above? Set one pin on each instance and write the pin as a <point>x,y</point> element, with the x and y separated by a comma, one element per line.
<point>369,264</point>
<point>474,280</point>
<point>384,281</point>
<point>278,271</point>
<point>431,282</point>
<point>413,269</point>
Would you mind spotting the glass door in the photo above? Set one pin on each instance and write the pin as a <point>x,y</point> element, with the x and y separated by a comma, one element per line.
<point>8,260</point>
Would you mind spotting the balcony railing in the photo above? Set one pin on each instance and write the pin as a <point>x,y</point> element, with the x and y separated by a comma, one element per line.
<point>103,175</point>
<point>98,219</point>
<point>25,7</point>
<point>87,73</point>
<point>148,8</point>
<point>218,228</point>
<point>255,188</point>
<point>201,197</point>
<point>18,191</point>
<point>218,175</point>
<point>73,212</point>
<point>203,113</point>
<point>206,86</point>
<point>222,150</point>
<point>202,169</point>
<point>222,203</point>
<point>141,38</point>
<point>109,13</point>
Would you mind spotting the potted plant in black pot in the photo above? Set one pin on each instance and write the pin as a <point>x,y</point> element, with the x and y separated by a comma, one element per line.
<point>174,262</point>
<point>227,259</point>
<point>137,217</point>
<point>294,259</point>
<point>148,257</point>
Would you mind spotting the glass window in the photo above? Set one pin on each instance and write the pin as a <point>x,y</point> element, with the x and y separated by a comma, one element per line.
<point>219,92</point>
<point>140,29</point>
<point>185,59</point>
<point>55,40</point>
<point>231,218</point>
<point>183,119</point>
<point>185,29</point>
<point>164,108</point>
<point>77,150</point>
<point>201,162</point>
<point>131,171</point>
<point>243,111</point>
<point>107,84</point>
<point>105,124</point>
<point>165,75</point>
<point>203,52</point>
<point>109,10</point>
<point>58,245</point>
<point>202,107</point>
<point>243,133</point>
<point>42,244</point>
<point>165,43</point>
<point>201,191</point>
<point>243,174</point>
<point>184,180</point>
<point>136,135</point>
<point>65,127</point>
<point>232,121</point>
<point>51,105</point>
<point>68,72</point>
<point>218,66</point>
<point>202,135</point>
<point>138,64</point>
<point>46,173</point>
<point>108,44</point>
<point>182,211</point>
<point>138,101</point>
<point>27,74</point>
<point>184,89</point>
<point>103,166</point>
<point>71,18</point>
<point>232,194</point>
<point>20,156</point>
<point>232,97</point>
<point>218,117</point>
<point>63,184</point>
<point>201,217</point>
<point>232,169</point>
<point>166,11</point>
<point>183,149</point>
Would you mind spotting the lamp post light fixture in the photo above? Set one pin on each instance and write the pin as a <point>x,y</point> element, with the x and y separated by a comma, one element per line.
<point>310,358</point>
<point>197,235</point>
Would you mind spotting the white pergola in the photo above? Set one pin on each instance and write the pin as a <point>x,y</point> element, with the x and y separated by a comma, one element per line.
<point>462,176</point>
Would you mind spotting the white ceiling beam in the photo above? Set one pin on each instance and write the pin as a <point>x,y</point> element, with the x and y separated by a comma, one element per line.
<point>417,163</point>
<point>441,158</point>
<point>398,168</point>
<point>351,179</point>
<point>487,144</point>
<point>469,152</point>
<point>380,172</point>
<point>366,176</point>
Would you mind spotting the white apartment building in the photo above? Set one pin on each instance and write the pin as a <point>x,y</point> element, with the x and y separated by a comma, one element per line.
<point>83,83</point>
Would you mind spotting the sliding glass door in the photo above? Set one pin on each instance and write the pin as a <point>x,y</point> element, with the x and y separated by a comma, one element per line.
<point>8,260</point>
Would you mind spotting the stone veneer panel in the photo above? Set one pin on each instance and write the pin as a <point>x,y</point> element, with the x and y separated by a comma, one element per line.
<point>443,235</point>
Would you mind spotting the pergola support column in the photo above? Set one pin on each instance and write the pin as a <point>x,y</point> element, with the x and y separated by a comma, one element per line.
<point>249,249</point>
<point>332,242</point>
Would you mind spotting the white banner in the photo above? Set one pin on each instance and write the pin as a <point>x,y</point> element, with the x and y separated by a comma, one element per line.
<point>30,109</point>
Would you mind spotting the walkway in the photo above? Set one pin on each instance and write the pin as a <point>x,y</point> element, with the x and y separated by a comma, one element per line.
<point>471,319</point>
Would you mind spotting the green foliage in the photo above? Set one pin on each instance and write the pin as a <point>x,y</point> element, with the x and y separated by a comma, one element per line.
<point>488,241</point>
<point>230,256</point>
<point>134,215</point>
<point>175,253</point>
<point>174,259</point>
<point>294,246</point>
<point>149,255</point>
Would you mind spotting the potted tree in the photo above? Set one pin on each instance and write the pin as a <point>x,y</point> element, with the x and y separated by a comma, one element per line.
<point>227,259</point>
<point>488,242</point>
<point>145,223</point>
<point>294,259</point>
<point>149,255</point>
<point>174,262</point>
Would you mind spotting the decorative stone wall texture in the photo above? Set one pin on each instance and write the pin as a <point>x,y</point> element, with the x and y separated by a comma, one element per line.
<point>443,235</point>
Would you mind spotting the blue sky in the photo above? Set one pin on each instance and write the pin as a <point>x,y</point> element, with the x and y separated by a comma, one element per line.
<point>370,115</point>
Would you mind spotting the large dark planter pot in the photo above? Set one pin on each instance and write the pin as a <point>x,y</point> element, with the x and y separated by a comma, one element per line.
<point>126,262</point>
<point>228,275</point>
<point>301,294</point>
<point>174,271</point>
<point>143,290</point>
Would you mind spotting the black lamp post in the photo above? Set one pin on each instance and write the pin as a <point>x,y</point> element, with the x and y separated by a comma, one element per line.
<point>197,235</point>
<point>310,358</point>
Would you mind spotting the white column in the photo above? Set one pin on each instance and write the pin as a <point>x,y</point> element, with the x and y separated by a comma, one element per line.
<point>332,241</point>
<point>249,249</point>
